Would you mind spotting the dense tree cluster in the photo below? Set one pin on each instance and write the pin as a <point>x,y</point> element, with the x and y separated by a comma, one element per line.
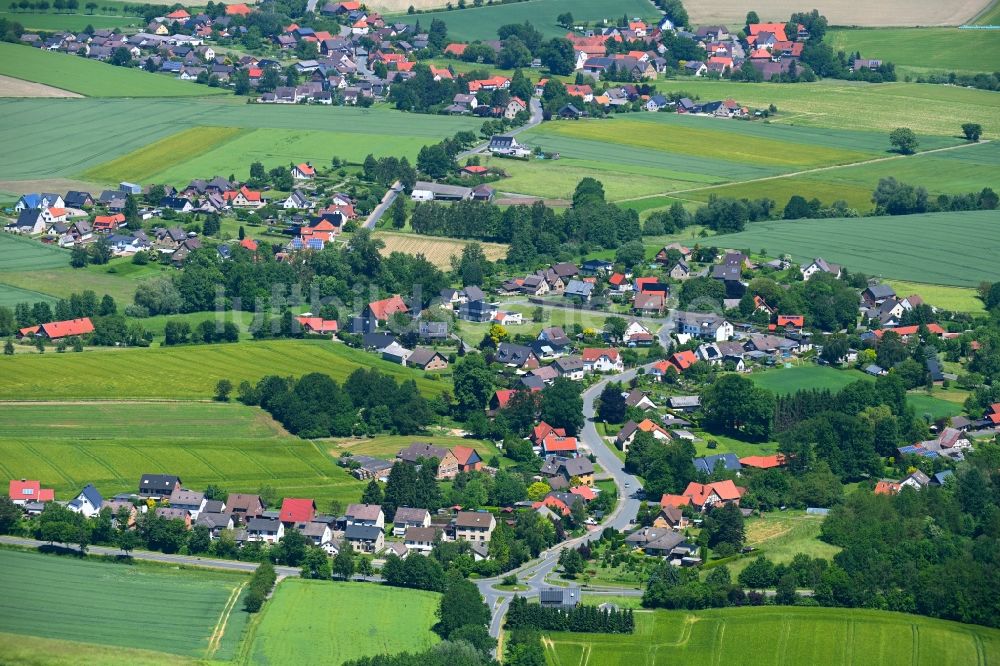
<point>260,585</point>
<point>582,619</point>
<point>665,466</point>
<point>317,406</point>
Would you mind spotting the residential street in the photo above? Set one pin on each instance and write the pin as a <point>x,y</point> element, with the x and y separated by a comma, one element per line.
<point>536,119</point>
<point>380,209</point>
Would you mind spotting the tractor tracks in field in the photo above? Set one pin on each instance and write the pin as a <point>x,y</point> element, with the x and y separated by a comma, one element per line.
<point>803,172</point>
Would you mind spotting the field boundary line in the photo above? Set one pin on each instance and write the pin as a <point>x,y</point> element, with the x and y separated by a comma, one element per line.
<point>804,172</point>
<point>980,650</point>
<point>219,631</point>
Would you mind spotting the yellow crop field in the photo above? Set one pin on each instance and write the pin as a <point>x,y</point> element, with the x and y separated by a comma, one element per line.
<point>438,251</point>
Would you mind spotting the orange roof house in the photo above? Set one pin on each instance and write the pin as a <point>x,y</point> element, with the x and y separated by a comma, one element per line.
<point>676,501</point>
<point>455,49</point>
<point>468,458</point>
<point>441,72</point>
<point>543,430</point>
<point>317,324</point>
<point>59,329</point>
<point>475,169</point>
<point>763,462</point>
<point>776,29</point>
<point>249,244</point>
<point>23,491</point>
<point>798,321</point>
<point>705,495</point>
<point>556,444</point>
<point>238,10</point>
<point>304,170</point>
<point>387,307</point>
<point>492,83</point>
<point>586,492</point>
<point>903,331</point>
<point>108,222</point>
<point>886,487</point>
<point>178,15</point>
<point>683,360</point>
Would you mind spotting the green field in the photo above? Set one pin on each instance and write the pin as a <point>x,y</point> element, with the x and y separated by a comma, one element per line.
<point>923,50</point>
<point>990,16</point>
<point>33,651</point>
<point>859,106</point>
<point>112,444</point>
<point>958,299</point>
<point>194,614</point>
<point>118,278</point>
<point>956,249</point>
<point>57,148</point>
<point>776,635</point>
<point>18,253</point>
<point>313,622</point>
<point>53,22</point>
<point>92,78</point>
<point>189,372</point>
<point>481,23</point>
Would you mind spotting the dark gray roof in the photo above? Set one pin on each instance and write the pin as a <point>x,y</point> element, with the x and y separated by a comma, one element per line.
<point>508,352</point>
<point>362,532</point>
<point>263,525</point>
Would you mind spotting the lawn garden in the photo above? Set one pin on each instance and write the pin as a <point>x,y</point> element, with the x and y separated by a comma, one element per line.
<point>311,622</point>
<point>193,614</point>
<point>780,635</point>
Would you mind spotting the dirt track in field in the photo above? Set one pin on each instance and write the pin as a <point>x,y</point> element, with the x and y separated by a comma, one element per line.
<point>840,12</point>
<point>11,87</point>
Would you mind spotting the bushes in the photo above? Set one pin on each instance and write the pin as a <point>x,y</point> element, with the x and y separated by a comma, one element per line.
<point>591,619</point>
<point>261,584</point>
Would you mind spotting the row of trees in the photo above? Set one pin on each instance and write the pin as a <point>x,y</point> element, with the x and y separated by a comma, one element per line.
<point>587,619</point>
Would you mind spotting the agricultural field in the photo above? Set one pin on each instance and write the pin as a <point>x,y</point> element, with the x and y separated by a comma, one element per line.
<point>197,614</point>
<point>482,22</point>
<point>117,128</point>
<point>834,104</point>
<point>92,78</point>
<point>778,635</point>
<point>33,651</point>
<point>77,22</point>
<point>112,444</point>
<point>990,15</point>
<point>185,373</point>
<point>11,87</point>
<point>438,251</point>
<point>781,536</point>
<point>923,50</point>
<point>22,254</point>
<point>311,622</point>
<point>118,278</point>
<point>890,247</point>
<point>841,12</point>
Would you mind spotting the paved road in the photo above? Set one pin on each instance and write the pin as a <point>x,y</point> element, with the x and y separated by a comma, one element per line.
<point>380,209</point>
<point>534,106</point>
<point>186,560</point>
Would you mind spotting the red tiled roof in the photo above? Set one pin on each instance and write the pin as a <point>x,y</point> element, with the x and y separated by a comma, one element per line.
<point>456,49</point>
<point>463,454</point>
<point>616,279</point>
<point>249,244</point>
<point>238,10</point>
<point>61,329</point>
<point>255,72</point>
<point>579,91</point>
<point>586,492</point>
<point>318,324</point>
<point>503,397</point>
<point>558,504</point>
<point>543,430</point>
<point>887,488</point>
<point>726,490</point>
<point>763,462</point>
<point>474,168</point>
<point>553,443</point>
<point>777,29</point>
<point>683,360</point>
<point>387,307</point>
<point>794,320</point>
<point>934,329</point>
<point>443,72</point>
<point>650,426</point>
<point>594,353</point>
<point>675,501</point>
<point>306,169</point>
<point>178,14</point>
<point>297,510</point>
<point>29,491</point>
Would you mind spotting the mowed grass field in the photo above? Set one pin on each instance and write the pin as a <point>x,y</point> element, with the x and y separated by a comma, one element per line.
<point>313,622</point>
<point>438,251</point>
<point>194,614</point>
<point>782,535</point>
<point>52,22</point>
<point>956,249</point>
<point>111,445</point>
<point>57,146</point>
<point>923,49</point>
<point>185,373</point>
<point>18,255</point>
<point>482,22</point>
<point>92,78</point>
<point>957,299</point>
<point>778,635</point>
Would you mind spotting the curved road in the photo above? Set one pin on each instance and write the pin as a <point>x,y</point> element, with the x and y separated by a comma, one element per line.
<point>536,119</point>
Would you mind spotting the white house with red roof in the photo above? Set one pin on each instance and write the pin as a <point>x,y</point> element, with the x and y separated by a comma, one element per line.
<point>553,444</point>
<point>318,325</point>
<point>23,491</point>
<point>602,360</point>
<point>304,171</point>
<point>704,496</point>
<point>244,197</point>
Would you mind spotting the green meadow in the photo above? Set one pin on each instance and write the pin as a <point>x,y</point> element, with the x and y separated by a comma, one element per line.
<point>780,635</point>
<point>92,78</point>
<point>187,613</point>
<point>112,444</point>
<point>185,373</point>
<point>52,22</point>
<point>956,249</point>
<point>923,50</point>
<point>58,147</point>
<point>313,622</point>
<point>482,22</point>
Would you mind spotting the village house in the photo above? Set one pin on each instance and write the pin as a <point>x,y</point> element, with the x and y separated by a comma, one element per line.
<point>158,485</point>
<point>703,325</point>
<point>602,360</point>
<point>407,518</point>
<point>627,434</point>
<point>474,526</point>
<point>268,530</point>
<point>447,462</point>
<point>421,539</point>
<point>24,491</point>
<point>242,507</point>
<point>366,515</point>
